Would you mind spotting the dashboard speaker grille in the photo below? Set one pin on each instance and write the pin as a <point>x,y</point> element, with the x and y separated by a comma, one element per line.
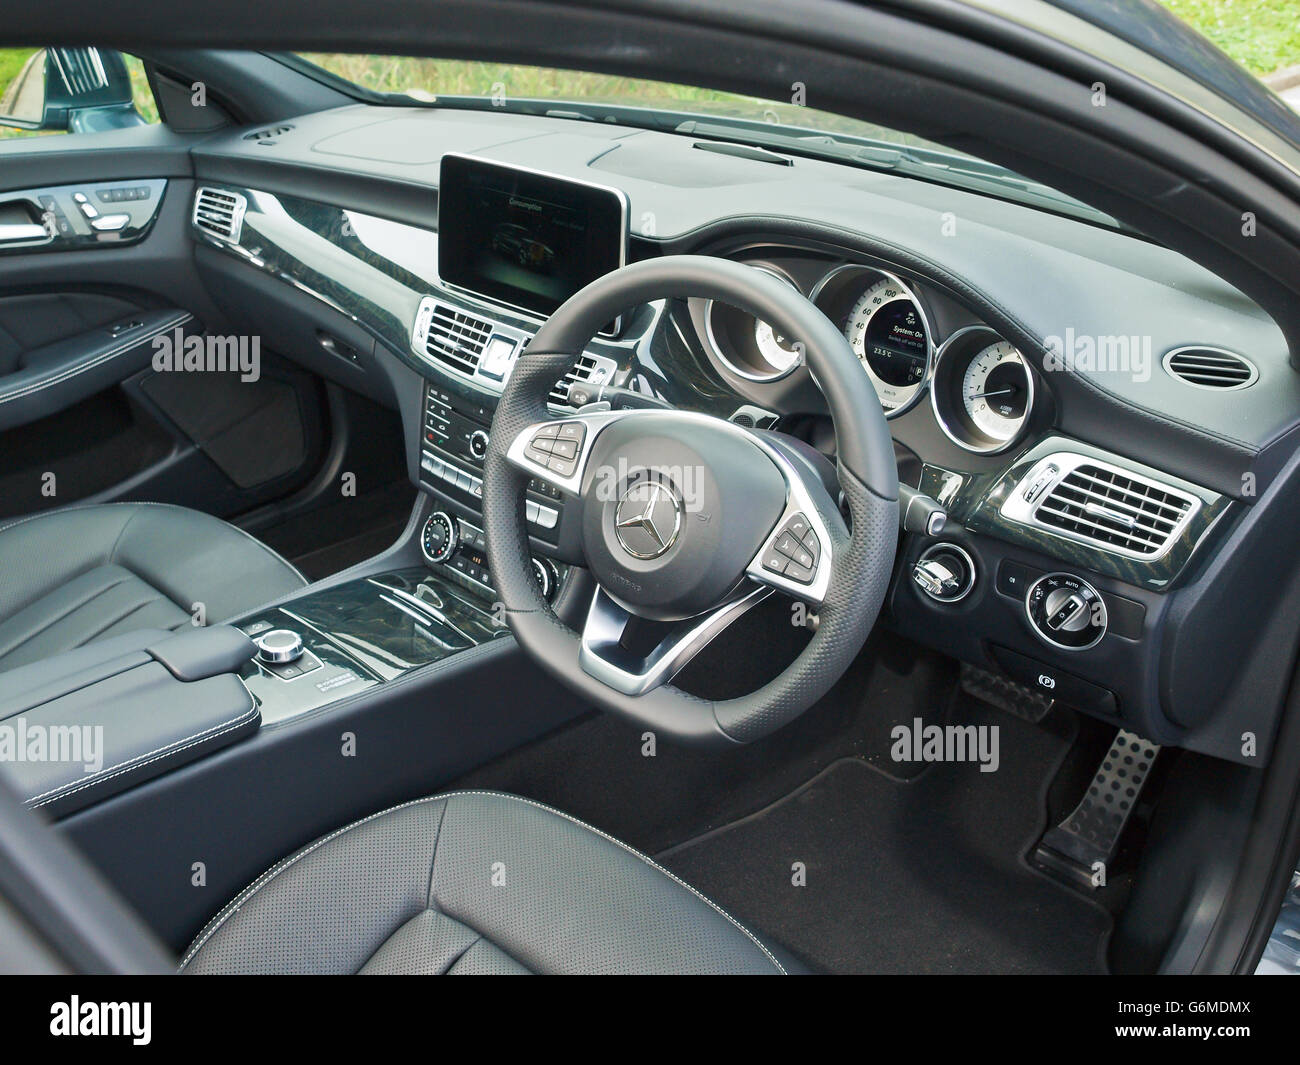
<point>220,213</point>
<point>1211,368</point>
<point>1115,509</point>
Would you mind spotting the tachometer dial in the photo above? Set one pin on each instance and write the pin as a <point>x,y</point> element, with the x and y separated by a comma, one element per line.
<point>995,390</point>
<point>983,390</point>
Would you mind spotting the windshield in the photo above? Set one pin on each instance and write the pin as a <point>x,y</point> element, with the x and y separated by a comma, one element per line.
<point>789,126</point>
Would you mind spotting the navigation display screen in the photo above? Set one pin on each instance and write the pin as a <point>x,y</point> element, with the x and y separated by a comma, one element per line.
<point>529,240</point>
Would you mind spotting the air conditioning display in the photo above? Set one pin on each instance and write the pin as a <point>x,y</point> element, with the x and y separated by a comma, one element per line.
<point>525,239</point>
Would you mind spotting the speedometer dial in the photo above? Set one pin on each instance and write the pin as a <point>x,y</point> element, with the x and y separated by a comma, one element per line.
<point>995,390</point>
<point>888,333</point>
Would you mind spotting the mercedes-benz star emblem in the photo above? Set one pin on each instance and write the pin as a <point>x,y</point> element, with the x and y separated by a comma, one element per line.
<point>648,519</point>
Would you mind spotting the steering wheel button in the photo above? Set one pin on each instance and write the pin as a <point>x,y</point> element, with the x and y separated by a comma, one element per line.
<point>801,574</point>
<point>547,432</point>
<point>789,546</point>
<point>572,431</point>
<point>543,444</point>
<point>774,562</point>
<point>798,525</point>
<point>565,449</point>
<point>564,467</point>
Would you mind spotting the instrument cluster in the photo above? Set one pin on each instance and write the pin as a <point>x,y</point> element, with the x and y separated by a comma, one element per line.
<point>980,386</point>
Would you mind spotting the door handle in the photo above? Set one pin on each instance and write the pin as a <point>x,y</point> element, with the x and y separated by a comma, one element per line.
<point>13,232</point>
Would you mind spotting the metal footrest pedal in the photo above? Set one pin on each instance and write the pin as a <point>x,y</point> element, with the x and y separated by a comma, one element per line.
<point>1079,849</point>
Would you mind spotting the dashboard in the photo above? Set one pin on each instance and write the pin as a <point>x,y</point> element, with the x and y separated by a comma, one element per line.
<point>1070,396</point>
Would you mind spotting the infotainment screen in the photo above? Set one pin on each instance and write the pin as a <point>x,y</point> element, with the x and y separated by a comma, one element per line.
<point>525,239</point>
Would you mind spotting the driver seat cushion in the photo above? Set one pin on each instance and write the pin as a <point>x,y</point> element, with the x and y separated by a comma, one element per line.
<point>473,883</point>
<point>80,574</point>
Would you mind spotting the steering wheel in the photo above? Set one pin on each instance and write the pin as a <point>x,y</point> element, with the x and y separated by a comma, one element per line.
<point>688,520</point>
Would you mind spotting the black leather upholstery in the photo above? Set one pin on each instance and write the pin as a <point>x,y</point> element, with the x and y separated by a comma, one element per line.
<point>471,883</point>
<point>80,574</point>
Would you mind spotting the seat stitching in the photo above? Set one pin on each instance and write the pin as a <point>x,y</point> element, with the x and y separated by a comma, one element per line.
<point>175,747</point>
<point>228,911</point>
<point>433,862</point>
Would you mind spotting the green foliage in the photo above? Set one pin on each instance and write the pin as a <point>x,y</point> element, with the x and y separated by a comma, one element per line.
<point>1261,35</point>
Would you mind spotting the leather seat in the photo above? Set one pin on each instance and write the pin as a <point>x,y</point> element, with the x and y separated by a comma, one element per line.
<point>473,883</point>
<point>80,574</point>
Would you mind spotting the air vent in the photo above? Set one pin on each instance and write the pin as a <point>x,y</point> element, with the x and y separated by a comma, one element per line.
<point>450,337</point>
<point>268,133</point>
<point>1211,368</point>
<point>220,213</point>
<point>1115,509</point>
<point>590,369</point>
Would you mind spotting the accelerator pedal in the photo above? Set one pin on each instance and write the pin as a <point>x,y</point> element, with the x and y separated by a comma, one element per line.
<point>1079,849</point>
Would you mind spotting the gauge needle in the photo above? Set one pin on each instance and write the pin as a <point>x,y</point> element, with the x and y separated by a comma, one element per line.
<point>985,395</point>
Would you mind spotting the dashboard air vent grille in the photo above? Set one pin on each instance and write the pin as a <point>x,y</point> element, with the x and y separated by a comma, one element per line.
<point>268,133</point>
<point>1211,368</point>
<point>456,339</point>
<point>1115,509</point>
<point>220,213</point>
<point>589,369</point>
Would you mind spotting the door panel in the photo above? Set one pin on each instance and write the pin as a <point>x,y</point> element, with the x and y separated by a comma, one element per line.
<point>84,413</point>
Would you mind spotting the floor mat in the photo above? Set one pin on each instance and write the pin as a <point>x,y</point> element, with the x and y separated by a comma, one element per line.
<point>601,771</point>
<point>911,876</point>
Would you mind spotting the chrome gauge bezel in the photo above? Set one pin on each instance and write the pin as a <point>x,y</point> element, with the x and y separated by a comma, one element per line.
<point>819,294</point>
<point>971,340</point>
<point>716,349</point>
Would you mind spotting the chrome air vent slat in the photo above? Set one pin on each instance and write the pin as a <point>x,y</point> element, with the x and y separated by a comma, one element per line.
<point>1102,505</point>
<point>1214,368</point>
<point>220,213</point>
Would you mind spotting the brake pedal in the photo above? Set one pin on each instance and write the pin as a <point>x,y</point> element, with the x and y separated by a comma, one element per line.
<point>1079,849</point>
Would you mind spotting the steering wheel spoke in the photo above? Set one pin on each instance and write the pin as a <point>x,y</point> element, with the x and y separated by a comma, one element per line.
<point>603,653</point>
<point>557,450</point>
<point>797,556</point>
